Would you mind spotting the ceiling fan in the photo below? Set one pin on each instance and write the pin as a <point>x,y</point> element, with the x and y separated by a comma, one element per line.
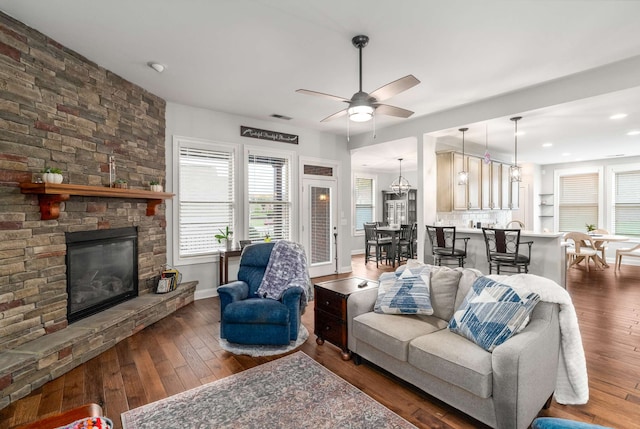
<point>362,105</point>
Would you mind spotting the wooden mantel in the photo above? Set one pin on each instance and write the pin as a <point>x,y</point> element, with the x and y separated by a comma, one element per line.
<point>50,195</point>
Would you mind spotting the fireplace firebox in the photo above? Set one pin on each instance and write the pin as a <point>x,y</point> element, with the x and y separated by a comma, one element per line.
<point>102,270</point>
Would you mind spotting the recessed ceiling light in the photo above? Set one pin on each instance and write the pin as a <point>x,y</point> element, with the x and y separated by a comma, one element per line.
<point>633,133</point>
<point>566,154</point>
<point>156,66</point>
<point>547,144</point>
<point>618,116</point>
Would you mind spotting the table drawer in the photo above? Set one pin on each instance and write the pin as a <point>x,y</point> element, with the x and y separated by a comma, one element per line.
<point>331,329</point>
<point>331,302</point>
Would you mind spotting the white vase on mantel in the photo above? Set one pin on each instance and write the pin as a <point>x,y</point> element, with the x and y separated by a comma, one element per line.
<point>52,178</point>
<point>156,188</point>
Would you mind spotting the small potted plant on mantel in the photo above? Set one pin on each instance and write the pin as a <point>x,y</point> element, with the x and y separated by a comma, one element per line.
<point>120,183</point>
<point>225,235</point>
<point>155,186</point>
<point>52,175</point>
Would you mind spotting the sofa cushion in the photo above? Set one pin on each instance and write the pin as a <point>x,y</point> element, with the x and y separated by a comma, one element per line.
<point>408,295</point>
<point>444,287</point>
<point>467,277</point>
<point>492,313</point>
<point>455,360</point>
<point>391,333</point>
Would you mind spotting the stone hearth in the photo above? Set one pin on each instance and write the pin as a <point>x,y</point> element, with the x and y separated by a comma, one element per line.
<point>29,366</point>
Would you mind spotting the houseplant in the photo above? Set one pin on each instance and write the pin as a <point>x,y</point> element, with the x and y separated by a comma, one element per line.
<point>155,186</point>
<point>590,227</point>
<point>120,183</point>
<point>52,175</point>
<point>225,235</point>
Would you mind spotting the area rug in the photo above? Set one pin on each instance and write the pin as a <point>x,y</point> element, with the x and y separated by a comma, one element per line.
<point>261,350</point>
<point>291,392</point>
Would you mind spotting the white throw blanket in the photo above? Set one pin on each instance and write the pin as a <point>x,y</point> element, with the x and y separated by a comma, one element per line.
<point>572,386</point>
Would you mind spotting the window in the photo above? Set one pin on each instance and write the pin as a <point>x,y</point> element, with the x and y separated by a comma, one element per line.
<point>364,188</point>
<point>269,197</point>
<point>578,201</point>
<point>205,197</point>
<point>626,206</point>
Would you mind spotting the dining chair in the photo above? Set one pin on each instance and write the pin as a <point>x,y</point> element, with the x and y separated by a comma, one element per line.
<point>382,223</point>
<point>582,249</point>
<point>601,246</point>
<point>503,249</point>
<point>373,241</point>
<point>404,242</point>
<point>627,251</point>
<point>443,244</point>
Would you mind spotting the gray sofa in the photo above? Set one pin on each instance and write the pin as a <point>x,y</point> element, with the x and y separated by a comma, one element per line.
<point>504,389</point>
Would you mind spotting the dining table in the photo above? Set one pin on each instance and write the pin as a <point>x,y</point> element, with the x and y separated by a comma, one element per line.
<point>392,231</point>
<point>600,240</point>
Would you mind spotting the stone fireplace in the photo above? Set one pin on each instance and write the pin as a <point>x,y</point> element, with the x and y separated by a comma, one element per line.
<point>62,110</point>
<point>102,270</point>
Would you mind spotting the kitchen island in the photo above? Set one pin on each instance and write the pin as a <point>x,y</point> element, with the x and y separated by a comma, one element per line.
<point>548,258</point>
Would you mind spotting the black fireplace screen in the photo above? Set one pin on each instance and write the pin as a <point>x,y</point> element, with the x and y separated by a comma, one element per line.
<point>102,270</point>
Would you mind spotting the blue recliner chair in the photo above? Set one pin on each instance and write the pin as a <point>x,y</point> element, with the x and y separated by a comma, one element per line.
<point>246,317</point>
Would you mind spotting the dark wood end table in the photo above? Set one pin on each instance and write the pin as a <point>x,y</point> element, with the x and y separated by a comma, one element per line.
<point>223,278</point>
<point>330,322</point>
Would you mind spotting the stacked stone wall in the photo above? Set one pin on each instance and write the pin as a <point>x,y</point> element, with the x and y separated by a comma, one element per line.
<point>59,109</point>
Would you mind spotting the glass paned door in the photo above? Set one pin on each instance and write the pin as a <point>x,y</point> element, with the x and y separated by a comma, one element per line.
<point>319,226</point>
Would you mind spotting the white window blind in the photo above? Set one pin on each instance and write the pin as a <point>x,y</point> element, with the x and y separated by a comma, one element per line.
<point>578,202</point>
<point>269,197</point>
<point>205,199</point>
<point>626,208</point>
<point>364,198</point>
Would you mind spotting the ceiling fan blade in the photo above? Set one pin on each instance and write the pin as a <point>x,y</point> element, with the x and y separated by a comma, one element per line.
<point>395,87</point>
<point>322,94</point>
<point>335,115</point>
<point>385,109</point>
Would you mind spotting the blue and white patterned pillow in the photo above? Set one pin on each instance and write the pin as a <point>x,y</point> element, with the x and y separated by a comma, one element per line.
<point>491,313</point>
<point>409,293</point>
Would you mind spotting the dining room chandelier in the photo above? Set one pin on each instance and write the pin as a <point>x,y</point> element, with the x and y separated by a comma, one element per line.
<point>515,172</point>
<point>463,175</point>
<point>400,185</point>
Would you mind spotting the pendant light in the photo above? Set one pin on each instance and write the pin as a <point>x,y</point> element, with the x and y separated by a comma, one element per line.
<point>400,185</point>
<point>487,155</point>
<point>515,172</point>
<point>463,176</point>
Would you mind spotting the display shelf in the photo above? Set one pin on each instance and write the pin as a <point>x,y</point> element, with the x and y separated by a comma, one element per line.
<point>50,195</point>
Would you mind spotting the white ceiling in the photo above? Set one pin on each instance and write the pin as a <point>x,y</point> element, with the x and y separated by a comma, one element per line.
<point>248,57</point>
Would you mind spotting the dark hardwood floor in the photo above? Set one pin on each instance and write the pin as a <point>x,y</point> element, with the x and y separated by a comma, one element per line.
<point>181,352</point>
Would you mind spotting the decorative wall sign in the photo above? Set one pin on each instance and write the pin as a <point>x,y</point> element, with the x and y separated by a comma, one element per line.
<point>275,136</point>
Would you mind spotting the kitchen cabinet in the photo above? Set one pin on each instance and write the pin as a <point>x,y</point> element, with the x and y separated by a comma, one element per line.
<point>452,196</point>
<point>489,186</point>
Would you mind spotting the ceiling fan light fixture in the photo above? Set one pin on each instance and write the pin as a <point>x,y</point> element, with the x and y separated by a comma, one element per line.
<point>361,113</point>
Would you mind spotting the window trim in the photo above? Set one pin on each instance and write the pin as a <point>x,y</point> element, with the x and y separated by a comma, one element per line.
<point>293,199</point>
<point>612,170</point>
<point>178,143</point>
<point>374,191</point>
<point>599,170</point>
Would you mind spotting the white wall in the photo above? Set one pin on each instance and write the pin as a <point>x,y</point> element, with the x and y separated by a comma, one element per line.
<point>221,127</point>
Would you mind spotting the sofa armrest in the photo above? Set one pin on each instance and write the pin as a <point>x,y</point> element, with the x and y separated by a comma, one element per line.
<point>231,292</point>
<point>525,369</point>
<point>359,303</point>
<point>291,299</point>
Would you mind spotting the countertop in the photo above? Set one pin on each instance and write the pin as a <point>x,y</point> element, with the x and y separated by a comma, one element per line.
<point>523,233</point>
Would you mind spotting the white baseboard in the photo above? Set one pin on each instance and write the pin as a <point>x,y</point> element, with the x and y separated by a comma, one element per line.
<point>206,293</point>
